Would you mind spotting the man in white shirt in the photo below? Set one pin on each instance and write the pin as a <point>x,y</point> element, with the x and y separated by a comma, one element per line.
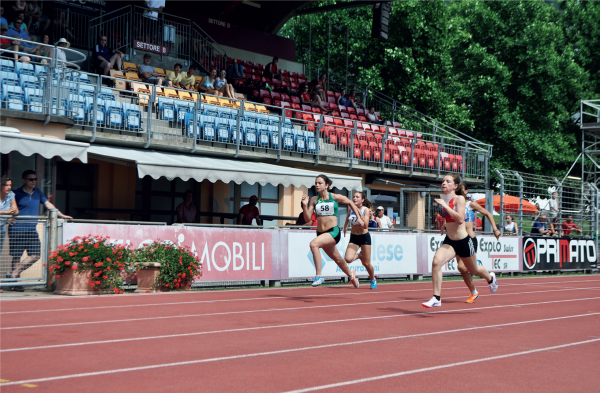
<point>149,28</point>
<point>553,205</point>
<point>384,221</point>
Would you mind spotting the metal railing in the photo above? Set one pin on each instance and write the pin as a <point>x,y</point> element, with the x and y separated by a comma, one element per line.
<point>70,24</point>
<point>181,37</point>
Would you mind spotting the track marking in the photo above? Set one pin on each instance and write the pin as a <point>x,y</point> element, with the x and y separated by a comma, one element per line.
<point>304,324</point>
<point>337,345</point>
<point>420,370</point>
<point>265,310</point>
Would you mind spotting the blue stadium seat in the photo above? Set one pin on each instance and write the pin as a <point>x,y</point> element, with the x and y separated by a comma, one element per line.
<point>183,109</point>
<point>63,107</point>
<point>86,90</point>
<point>76,107</point>
<point>288,139</point>
<point>209,131</point>
<point>9,78</point>
<point>311,142</point>
<point>166,109</point>
<point>28,81</point>
<point>251,135</point>
<point>41,71</point>
<point>114,113</point>
<point>300,140</point>
<point>106,94</point>
<point>133,116</point>
<point>25,69</point>
<point>89,107</point>
<point>223,132</point>
<point>7,65</point>
<point>13,98</point>
<point>34,99</point>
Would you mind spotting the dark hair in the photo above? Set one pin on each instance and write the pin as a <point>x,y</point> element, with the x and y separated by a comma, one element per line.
<point>27,173</point>
<point>276,58</point>
<point>5,179</point>
<point>568,215</point>
<point>326,179</point>
<point>187,192</point>
<point>192,67</point>
<point>147,56</point>
<point>323,75</point>
<point>213,69</point>
<point>460,190</point>
<point>366,203</point>
<point>177,64</point>
<point>556,220</point>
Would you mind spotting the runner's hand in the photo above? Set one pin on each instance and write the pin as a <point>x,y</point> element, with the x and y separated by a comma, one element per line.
<point>305,200</point>
<point>497,235</point>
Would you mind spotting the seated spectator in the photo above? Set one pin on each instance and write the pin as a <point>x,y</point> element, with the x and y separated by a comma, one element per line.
<point>22,46</point>
<point>271,70</point>
<point>45,51</point>
<point>372,117</point>
<point>553,231</point>
<point>3,20</point>
<point>341,100</point>
<point>107,58</point>
<point>302,221</point>
<point>314,101</point>
<point>6,43</point>
<point>37,23</point>
<point>174,77</point>
<point>18,7</point>
<point>61,56</point>
<point>478,225</point>
<point>186,211</point>
<point>207,84</point>
<point>249,212</point>
<point>438,221</point>
<point>352,101</point>
<point>187,80</point>
<point>568,225</point>
<point>539,226</point>
<point>319,87</point>
<point>236,71</point>
<point>148,73</point>
<point>20,16</point>
<point>510,228</point>
<point>223,87</point>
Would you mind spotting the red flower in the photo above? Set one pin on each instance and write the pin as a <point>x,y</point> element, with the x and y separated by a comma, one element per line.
<point>147,291</point>
<point>58,275</point>
<point>108,259</point>
<point>98,282</point>
<point>67,263</point>
<point>74,267</point>
<point>105,277</point>
<point>96,245</point>
<point>84,259</point>
<point>71,254</point>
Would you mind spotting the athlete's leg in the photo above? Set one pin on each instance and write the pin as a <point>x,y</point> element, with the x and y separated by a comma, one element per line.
<point>465,274</point>
<point>324,241</point>
<point>478,270</point>
<point>334,254</point>
<point>365,258</point>
<point>442,255</point>
<point>351,252</point>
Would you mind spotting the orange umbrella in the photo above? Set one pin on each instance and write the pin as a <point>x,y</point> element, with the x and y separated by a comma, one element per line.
<point>511,204</point>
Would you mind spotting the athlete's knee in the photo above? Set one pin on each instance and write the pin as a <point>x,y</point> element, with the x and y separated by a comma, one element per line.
<point>314,246</point>
<point>437,263</point>
<point>462,268</point>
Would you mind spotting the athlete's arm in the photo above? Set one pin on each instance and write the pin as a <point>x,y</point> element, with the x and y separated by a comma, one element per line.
<point>308,206</point>
<point>342,199</point>
<point>490,217</point>
<point>459,202</point>
<point>367,218</point>
<point>346,224</point>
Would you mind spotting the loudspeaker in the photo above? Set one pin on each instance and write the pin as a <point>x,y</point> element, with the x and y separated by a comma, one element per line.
<point>381,19</point>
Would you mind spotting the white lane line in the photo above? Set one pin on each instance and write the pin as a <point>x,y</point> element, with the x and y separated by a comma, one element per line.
<point>259,311</point>
<point>121,340</point>
<point>324,346</point>
<point>449,365</point>
<point>271,298</point>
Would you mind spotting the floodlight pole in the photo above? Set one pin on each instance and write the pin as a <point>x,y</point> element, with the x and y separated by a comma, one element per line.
<point>520,203</point>
<point>501,201</point>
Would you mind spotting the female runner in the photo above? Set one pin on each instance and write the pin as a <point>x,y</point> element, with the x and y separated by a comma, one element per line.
<point>360,236</point>
<point>457,241</point>
<point>470,209</point>
<point>325,204</point>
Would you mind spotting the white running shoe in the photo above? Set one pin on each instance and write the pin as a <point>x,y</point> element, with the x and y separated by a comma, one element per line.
<point>494,285</point>
<point>433,302</point>
<point>318,281</point>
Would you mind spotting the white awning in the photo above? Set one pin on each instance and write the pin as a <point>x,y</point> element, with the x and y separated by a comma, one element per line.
<point>171,165</point>
<point>46,147</point>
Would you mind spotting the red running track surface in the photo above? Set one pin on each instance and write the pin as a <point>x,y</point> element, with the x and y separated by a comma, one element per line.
<point>534,334</point>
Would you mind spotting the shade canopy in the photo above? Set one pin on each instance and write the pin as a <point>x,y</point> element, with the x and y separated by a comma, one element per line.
<point>46,147</point>
<point>511,204</point>
<point>172,165</point>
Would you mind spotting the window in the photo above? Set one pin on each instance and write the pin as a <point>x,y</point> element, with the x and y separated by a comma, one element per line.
<point>268,200</point>
<point>159,198</point>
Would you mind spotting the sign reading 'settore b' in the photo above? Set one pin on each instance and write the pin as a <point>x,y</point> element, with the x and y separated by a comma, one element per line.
<point>541,253</point>
<point>162,50</point>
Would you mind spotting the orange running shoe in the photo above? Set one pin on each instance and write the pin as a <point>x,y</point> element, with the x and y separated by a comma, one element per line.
<point>354,279</point>
<point>472,298</point>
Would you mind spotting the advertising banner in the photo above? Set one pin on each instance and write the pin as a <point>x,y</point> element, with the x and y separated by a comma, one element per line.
<point>542,253</point>
<point>494,255</point>
<point>391,253</point>
<point>225,254</point>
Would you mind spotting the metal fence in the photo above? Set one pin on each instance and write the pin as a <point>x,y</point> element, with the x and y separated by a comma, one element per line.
<point>566,207</point>
<point>71,25</point>
<point>23,250</point>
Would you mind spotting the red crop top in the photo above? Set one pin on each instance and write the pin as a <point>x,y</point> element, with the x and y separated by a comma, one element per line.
<point>445,214</point>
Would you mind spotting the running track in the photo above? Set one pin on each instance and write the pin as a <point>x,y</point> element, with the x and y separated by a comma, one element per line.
<point>534,334</point>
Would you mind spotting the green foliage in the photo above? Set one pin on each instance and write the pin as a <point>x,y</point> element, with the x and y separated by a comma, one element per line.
<point>509,73</point>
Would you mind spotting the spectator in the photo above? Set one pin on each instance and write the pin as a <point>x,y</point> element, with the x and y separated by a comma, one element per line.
<point>107,58</point>
<point>45,51</point>
<point>148,73</point>
<point>6,43</point>
<point>61,25</point>
<point>478,224</point>
<point>207,85</point>
<point>61,56</point>
<point>341,100</point>
<point>187,80</point>
<point>20,45</point>
<point>302,221</point>
<point>352,101</point>
<point>249,212</point>
<point>372,117</point>
<point>223,87</point>
<point>439,221</point>
<point>271,70</point>
<point>236,71</point>
<point>19,7</point>
<point>553,231</point>
<point>8,206</point>
<point>384,221</point>
<point>315,101</point>
<point>20,16</point>
<point>174,77</point>
<point>154,7</point>
<point>568,225</point>
<point>319,87</point>
<point>510,228</point>
<point>553,203</point>
<point>23,235</point>
<point>3,20</point>
<point>539,226</point>
<point>37,23</point>
<point>186,211</point>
